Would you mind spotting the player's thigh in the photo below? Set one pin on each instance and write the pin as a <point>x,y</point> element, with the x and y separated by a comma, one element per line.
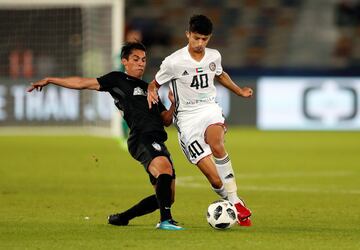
<point>193,145</point>
<point>214,136</point>
<point>193,129</point>
<point>154,153</point>
<point>215,133</point>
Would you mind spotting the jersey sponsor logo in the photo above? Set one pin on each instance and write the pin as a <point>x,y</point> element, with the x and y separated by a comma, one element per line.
<point>199,70</point>
<point>156,146</point>
<point>212,66</point>
<point>201,101</point>
<point>139,91</point>
<point>185,73</point>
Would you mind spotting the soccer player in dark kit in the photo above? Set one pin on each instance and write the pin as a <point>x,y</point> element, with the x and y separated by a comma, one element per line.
<point>147,134</point>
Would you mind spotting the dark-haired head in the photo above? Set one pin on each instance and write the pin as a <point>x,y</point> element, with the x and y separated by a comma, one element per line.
<point>200,24</point>
<point>133,57</point>
<point>129,47</point>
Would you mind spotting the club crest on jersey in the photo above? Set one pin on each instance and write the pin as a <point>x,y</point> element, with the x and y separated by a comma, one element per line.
<point>212,66</point>
<point>199,70</point>
<point>156,146</point>
<point>139,91</point>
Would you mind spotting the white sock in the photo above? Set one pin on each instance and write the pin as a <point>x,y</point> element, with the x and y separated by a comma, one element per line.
<point>220,191</point>
<point>227,176</point>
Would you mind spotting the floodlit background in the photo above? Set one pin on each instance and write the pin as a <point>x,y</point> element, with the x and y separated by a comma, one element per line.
<point>296,171</point>
<point>313,45</point>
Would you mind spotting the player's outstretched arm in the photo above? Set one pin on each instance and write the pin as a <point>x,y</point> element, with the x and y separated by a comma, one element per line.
<point>225,80</point>
<point>152,93</point>
<point>66,82</point>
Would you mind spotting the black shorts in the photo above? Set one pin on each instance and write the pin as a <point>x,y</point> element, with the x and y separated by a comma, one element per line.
<point>145,148</point>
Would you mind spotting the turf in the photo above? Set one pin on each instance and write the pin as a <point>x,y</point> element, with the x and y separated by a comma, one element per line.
<point>303,188</point>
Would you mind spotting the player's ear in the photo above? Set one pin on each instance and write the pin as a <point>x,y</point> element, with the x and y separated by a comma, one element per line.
<point>124,61</point>
<point>187,33</point>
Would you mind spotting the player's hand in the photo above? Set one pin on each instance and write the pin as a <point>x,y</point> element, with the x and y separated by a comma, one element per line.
<point>152,94</point>
<point>38,85</point>
<point>171,97</point>
<point>247,92</point>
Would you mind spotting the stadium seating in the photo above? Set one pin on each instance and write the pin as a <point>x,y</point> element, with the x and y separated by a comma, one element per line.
<point>252,33</point>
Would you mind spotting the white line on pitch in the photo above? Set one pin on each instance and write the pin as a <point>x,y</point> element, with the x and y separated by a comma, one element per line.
<point>198,182</point>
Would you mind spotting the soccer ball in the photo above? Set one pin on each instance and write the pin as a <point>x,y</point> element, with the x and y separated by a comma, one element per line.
<point>221,214</point>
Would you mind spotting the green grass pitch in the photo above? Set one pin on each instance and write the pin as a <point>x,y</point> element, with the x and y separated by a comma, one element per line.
<point>303,187</point>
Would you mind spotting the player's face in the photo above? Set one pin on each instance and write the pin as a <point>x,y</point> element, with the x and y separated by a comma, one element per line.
<point>135,65</point>
<point>197,42</point>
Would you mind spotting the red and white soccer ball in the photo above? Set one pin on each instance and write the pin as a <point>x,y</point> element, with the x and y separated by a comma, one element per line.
<point>221,214</point>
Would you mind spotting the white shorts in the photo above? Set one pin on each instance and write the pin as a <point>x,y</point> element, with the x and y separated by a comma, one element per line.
<point>192,127</point>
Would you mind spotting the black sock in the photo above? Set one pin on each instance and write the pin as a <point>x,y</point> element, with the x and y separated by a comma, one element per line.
<point>145,206</point>
<point>163,194</point>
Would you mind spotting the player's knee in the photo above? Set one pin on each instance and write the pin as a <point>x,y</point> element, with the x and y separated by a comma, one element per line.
<point>166,170</point>
<point>218,149</point>
<point>160,165</point>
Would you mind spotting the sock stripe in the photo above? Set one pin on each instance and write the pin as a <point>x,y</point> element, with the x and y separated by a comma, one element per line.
<point>222,161</point>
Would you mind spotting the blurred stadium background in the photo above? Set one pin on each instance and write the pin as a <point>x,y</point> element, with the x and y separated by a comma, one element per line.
<point>301,56</point>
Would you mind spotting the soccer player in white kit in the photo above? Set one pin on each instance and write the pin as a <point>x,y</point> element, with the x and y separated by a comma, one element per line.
<point>191,71</point>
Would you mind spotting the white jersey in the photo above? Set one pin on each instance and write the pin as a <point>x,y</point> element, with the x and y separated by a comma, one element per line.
<point>192,82</point>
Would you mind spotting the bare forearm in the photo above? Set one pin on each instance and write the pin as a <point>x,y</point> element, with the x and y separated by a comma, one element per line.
<point>66,82</point>
<point>167,116</point>
<point>71,82</point>
<point>225,80</point>
<point>153,86</point>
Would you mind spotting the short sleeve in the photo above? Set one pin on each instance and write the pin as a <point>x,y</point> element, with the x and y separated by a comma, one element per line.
<point>219,68</point>
<point>165,74</point>
<point>109,80</point>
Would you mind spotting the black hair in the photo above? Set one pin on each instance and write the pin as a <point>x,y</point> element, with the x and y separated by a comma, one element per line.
<point>129,47</point>
<point>200,24</point>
